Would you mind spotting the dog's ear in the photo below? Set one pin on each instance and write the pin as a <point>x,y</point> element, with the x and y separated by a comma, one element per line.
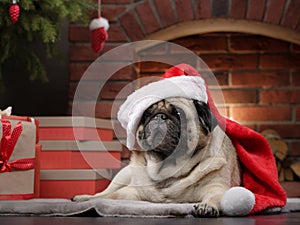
<point>206,118</point>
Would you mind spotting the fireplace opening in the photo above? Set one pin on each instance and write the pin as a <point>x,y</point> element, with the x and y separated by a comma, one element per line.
<point>259,77</point>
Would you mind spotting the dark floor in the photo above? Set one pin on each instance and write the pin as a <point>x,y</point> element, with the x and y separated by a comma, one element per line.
<point>281,219</point>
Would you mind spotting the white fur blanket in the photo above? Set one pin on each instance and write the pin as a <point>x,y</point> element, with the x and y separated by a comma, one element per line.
<point>107,207</point>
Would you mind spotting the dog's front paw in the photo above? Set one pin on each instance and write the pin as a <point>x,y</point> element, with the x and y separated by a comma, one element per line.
<point>205,210</point>
<point>81,198</point>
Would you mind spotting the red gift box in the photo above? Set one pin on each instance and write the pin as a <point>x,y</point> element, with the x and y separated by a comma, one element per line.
<point>75,128</point>
<point>80,155</point>
<point>19,152</point>
<point>67,183</point>
<point>72,149</point>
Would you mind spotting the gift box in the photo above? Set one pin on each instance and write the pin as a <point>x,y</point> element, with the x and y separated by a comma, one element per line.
<point>74,150</point>
<point>68,183</point>
<point>19,158</point>
<point>80,154</point>
<point>75,128</point>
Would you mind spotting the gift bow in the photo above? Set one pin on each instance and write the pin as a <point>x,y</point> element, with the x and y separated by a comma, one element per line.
<point>8,142</point>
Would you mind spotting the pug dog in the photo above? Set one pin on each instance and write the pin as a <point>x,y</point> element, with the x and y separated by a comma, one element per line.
<point>183,157</point>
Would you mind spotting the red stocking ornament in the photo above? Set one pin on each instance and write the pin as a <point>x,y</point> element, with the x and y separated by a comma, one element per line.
<point>14,12</point>
<point>99,27</point>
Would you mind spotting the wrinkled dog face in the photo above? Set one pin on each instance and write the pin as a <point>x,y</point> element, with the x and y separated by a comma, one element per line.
<point>174,124</point>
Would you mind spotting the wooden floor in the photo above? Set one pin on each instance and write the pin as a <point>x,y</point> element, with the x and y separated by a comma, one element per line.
<point>281,219</point>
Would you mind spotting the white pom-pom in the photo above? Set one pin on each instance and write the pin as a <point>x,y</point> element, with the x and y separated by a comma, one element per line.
<point>99,22</point>
<point>237,201</point>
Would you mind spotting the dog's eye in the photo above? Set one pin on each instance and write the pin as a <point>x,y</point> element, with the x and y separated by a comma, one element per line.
<point>176,112</point>
<point>146,115</point>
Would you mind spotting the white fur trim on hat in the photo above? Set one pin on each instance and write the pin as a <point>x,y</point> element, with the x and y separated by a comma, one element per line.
<point>237,201</point>
<point>131,111</point>
<point>99,22</point>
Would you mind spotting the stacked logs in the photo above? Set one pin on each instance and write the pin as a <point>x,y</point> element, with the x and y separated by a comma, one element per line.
<point>288,167</point>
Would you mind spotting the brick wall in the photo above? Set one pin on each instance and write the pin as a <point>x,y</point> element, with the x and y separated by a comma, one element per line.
<point>259,75</point>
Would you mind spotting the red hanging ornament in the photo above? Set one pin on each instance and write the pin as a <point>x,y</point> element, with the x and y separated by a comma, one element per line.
<point>99,27</point>
<point>14,12</point>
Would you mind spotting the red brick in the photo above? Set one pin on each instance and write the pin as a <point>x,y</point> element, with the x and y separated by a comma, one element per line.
<point>223,110</point>
<point>76,70</point>
<point>108,46</point>
<point>184,10</point>
<point>256,9</point>
<point>296,78</point>
<point>153,67</point>
<point>238,9</point>
<point>165,12</point>
<point>274,11</point>
<point>116,1</point>
<point>230,61</point>
<point>71,90</point>
<point>288,130</point>
<point>88,90</point>
<point>280,96</point>
<point>117,53</point>
<point>280,61</point>
<point>158,49</point>
<point>292,15</point>
<point>127,73</point>
<point>79,33</point>
<point>297,113</point>
<point>298,28</point>
<point>112,12</point>
<point>116,34</point>
<point>220,8</point>
<point>157,64</point>
<point>82,52</point>
<point>91,72</point>
<point>253,43</point>
<point>116,90</point>
<point>294,148</point>
<point>259,79</point>
<point>147,78</point>
<point>216,78</point>
<point>147,17</point>
<point>295,48</point>
<point>239,96</point>
<point>234,96</point>
<point>200,44</point>
<point>102,109</point>
<point>107,109</point>
<point>202,9</point>
<point>83,108</point>
<point>131,26</point>
<point>256,113</point>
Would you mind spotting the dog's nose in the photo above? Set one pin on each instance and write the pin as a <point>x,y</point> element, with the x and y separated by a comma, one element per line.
<point>160,117</point>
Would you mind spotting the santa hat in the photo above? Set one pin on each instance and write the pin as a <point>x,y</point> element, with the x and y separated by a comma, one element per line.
<point>260,187</point>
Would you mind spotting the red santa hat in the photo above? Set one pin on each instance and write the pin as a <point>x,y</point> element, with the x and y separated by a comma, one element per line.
<point>260,187</point>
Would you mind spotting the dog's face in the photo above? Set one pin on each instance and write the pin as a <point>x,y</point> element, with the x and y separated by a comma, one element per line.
<point>175,124</point>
